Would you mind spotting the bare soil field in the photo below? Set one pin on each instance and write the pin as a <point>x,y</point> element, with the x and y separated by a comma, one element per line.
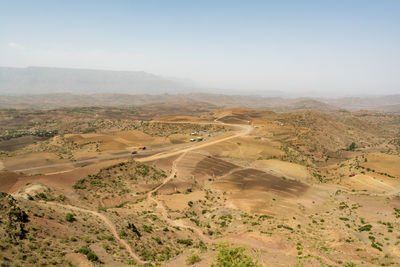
<point>255,180</point>
<point>384,163</point>
<point>29,160</point>
<point>372,184</point>
<point>17,143</point>
<point>250,148</point>
<point>285,169</point>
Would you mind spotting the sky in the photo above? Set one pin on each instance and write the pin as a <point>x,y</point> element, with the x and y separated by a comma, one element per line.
<point>321,47</point>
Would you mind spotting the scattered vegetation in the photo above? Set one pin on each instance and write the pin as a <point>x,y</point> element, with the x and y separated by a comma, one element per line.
<point>233,256</point>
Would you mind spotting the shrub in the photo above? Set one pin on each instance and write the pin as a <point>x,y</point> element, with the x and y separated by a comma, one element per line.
<point>285,226</point>
<point>192,259</point>
<point>376,246</point>
<point>80,184</point>
<point>84,250</point>
<point>229,256</point>
<point>91,256</point>
<point>352,146</point>
<point>366,227</point>
<point>147,228</point>
<point>130,262</point>
<point>41,195</point>
<point>109,238</point>
<point>123,234</point>
<point>70,217</point>
<point>187,242</point>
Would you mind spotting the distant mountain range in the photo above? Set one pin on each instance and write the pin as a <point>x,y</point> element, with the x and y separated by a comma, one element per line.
<point>46,88</point>
<point>42,80</point>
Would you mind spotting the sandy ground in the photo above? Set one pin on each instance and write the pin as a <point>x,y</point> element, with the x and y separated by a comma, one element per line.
<point>372,184</point>
<point>31,160</point>
<point>283,168</point>
<point>78,260</point>
<point>179,201</point>
<point>384,163</point>
<point>248,147</point>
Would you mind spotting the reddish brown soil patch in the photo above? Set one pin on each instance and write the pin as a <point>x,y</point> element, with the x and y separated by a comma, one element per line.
<point>213,166</point>
<point>256,180</point>
<point>16,143</point>
<point>234,119</point>
<point>63,180</point>
<point>7,180</point>
<point>52,226</point>
<point>198,166</point>
<point>163,163</point>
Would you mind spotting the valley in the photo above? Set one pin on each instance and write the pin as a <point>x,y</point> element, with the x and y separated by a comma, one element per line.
<point>303,188</point>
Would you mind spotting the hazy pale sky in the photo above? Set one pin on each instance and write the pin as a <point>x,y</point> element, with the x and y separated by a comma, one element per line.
<point>337,46</point>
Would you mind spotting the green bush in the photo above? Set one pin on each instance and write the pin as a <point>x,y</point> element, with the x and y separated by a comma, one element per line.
<point>92,257</point>
<point>147,228</point>
<point>192,259</point>
<point>352,146</point>
<point>89,254</point>
<point>123,234</point>
<point>84,250</point>
<point>187,242</point>
<point>229,256</point>
<point>79,184</point>
<point>366,227</point>
<point>70,217</point>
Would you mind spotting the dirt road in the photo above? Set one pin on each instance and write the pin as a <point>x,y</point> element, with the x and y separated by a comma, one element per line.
<point>110,225</point>
<point>164,211</point>
<point>245,130</point>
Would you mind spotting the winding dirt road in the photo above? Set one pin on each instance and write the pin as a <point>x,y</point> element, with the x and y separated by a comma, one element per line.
<point>110,225</point>
<point>164,211</point>
<point>245,129</point>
